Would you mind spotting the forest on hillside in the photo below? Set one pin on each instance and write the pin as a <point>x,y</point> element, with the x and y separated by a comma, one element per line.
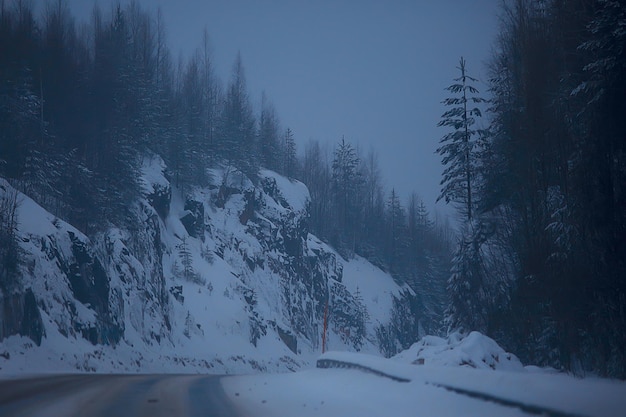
<point>536,165</point>
<point>83,103</point>
<point>541,187</point>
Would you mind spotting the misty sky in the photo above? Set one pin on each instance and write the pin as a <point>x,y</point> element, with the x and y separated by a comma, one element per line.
<point>374,71</point>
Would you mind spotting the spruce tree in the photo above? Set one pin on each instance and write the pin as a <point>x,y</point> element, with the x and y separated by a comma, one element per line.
<point>268,136</point>
<point>458,147</point>
<point>237,124</point>
<point>346,183</point>
<point>459,156</point>
<point>290,158</point>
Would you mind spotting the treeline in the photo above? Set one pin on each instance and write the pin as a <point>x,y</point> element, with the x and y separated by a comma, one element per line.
<point>541,265</point>
<point>82,104</point>
<point>353,210</point>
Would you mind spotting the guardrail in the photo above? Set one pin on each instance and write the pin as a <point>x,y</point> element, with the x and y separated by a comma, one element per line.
<point>333,363</point>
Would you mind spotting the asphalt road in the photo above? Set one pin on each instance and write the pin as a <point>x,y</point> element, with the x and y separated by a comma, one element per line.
<point>89,395</point>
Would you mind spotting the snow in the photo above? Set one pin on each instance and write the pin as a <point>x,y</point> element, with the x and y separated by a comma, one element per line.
<point>211,324</point>
<point>153,174</point>
<point>376,287</point>
<point>341,392</point>
<point>295,193</point>
<point>475,351</point>
<point>37,232</point>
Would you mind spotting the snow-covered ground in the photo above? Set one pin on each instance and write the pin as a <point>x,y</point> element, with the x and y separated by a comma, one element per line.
<point>432,390</point>
<point>448,383</point>
<point>240,280</point>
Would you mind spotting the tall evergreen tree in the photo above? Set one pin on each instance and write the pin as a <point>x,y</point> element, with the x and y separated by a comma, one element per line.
<point>346,183</point>
<point>237,124</point>
<point>316,175</point>
<point>290,158</point>
<point>458,147</point>
<point>269,145</point>
<point>211,92</point>
<point>396,236</point>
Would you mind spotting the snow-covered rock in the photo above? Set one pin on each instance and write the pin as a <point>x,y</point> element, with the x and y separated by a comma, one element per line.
<point>226,278</point>
<point>59,267</point>
<point>474,350</point>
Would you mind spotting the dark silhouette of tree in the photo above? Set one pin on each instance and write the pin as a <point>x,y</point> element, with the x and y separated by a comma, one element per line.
<point>346,183</point>
<point>290,164</point>
<point>458,147</point>
<point>237,125</point>
<point>269,142</point>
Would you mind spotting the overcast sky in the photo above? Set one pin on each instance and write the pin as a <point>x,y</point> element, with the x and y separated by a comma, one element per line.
<point>373,71</point>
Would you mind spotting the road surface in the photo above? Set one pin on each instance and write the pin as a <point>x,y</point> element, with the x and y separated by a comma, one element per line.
<point>115,395</point>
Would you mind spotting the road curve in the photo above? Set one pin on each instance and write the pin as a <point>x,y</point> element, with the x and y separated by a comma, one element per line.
<point>93,395</point>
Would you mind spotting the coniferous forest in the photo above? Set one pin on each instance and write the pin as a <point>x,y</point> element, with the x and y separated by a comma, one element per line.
<point>540,185</point>
<point>82,104</point>
<point>534,159</point>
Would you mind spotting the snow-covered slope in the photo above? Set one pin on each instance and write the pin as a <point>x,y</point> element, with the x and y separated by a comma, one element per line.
<point>227,278</point>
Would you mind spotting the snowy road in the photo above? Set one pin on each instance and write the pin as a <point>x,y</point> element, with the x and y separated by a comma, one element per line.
<point>115,395</point>
<point>370,387</point>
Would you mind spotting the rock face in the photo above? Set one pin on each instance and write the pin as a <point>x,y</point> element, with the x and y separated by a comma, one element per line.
<point>193,218</point>
<point>62,277</point>
<point>234,261</point>
<point>19,315</point>
<point>94,289</point>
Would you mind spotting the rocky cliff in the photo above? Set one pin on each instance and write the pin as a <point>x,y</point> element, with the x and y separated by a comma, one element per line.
<point>225,277</point>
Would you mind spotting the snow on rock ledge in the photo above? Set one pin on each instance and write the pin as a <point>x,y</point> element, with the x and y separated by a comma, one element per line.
<point>155,186</point>
<point>288,193</point>
<point>475,351</point>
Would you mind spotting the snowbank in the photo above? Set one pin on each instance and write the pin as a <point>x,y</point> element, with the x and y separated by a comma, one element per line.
<point>475,351</point>
<point>431,391</point>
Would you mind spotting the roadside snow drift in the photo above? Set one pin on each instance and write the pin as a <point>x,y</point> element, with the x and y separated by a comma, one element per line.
<point>431,390</point>
<point>474,351</point>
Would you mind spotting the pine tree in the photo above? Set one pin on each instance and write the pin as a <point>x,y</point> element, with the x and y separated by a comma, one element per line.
<point>316,175</point>
<point>396,235</point>
<point>360,320</point>
<point>269,149</point>
<point>186,260</point>
<point>9,249</point>
<point>467,310</point>
<point>237,125</point>
<point>211,91</point>
<point>188,325</point>
<point>346,183</point>
<point>193,167</point>
<point>458,147</point>
<point>290,163</point>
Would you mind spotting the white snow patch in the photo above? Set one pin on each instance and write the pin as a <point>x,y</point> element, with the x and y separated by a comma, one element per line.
<point>295,193</point>
<point>377,288</point>
<point>475,351</point>
<point>153,174</point>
